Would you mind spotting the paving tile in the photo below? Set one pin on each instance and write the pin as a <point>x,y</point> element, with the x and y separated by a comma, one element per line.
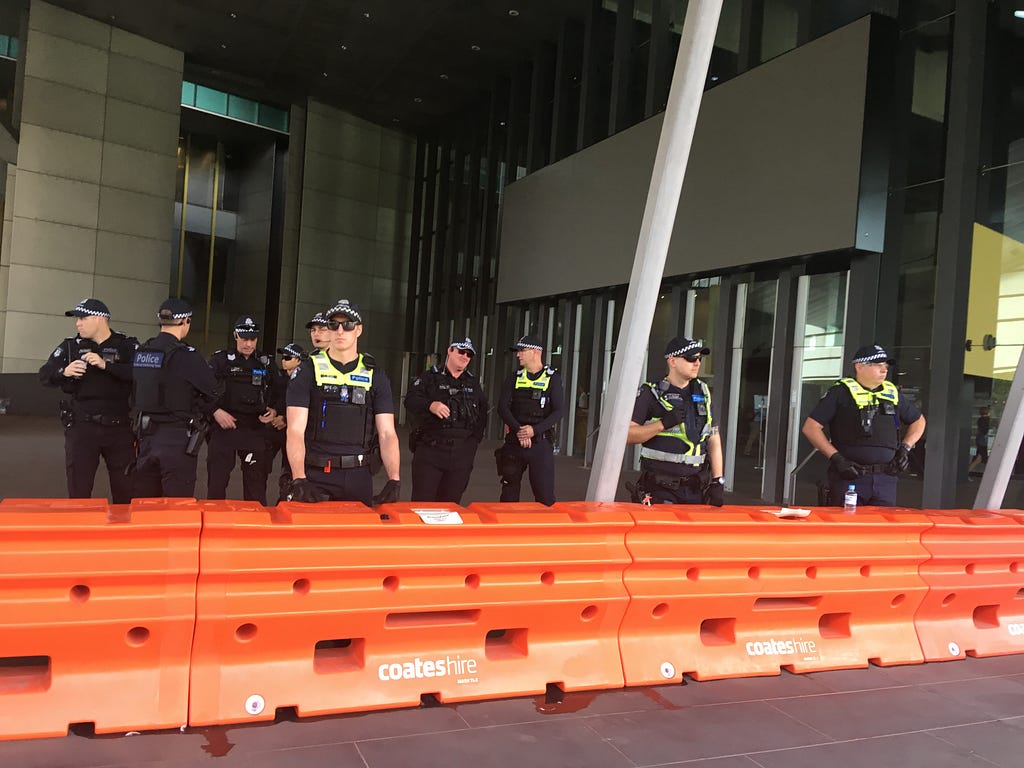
<point>960,669</point>
<point>691,733</point>
<point>863,714</point>
<point>911,750</point>
<point>556,744</point>
<point>91,752</point>
<point>346,728</point>
<point>577,704</point>
<point>870,678</point>
<point>996,696</point>
<point>738,689</point>
<point>717,762</point>
<point>1000,742</point>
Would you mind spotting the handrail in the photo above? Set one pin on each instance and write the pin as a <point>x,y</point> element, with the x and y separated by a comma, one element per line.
<point>792,476</point>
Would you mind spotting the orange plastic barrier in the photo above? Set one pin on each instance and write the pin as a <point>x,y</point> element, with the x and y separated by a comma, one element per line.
<point>739,592</point>
<point>975,605</point>
<point>97,606</point>
<point>337,607</point>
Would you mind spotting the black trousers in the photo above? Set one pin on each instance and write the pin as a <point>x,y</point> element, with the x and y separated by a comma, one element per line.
<point>163,468</point>
<point>251,447</point>
<point>355,484</point>
<point>278,442</point>
<point>84,443</point>
<point>441,472</point>
<point>539,458</point>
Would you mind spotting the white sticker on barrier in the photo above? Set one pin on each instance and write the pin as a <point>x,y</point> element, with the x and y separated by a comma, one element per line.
<point>255,704</point>
<point>954,649</point>
<point>439,516</point>
<point>668,671</point>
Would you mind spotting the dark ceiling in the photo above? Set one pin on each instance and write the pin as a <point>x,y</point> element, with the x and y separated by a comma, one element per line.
<point>410,61</point>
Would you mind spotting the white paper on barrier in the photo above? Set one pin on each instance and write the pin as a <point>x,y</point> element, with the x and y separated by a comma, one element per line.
<point>439,516</point>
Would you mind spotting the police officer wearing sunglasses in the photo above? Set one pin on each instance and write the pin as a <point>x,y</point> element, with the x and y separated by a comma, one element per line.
<point>681,451</point>
<point>864,416</point>
<point>448,410</point>
<point>341,420</point>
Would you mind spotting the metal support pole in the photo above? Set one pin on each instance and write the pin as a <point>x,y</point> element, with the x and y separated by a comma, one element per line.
<point>992,488</point>
<point>213,242</point>
<point>655,233</point>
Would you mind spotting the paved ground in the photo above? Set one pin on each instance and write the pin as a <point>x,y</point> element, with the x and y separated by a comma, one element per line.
<point>948,715</point>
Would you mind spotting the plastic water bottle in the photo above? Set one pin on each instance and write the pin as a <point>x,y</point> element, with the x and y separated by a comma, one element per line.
<point>850,500</point>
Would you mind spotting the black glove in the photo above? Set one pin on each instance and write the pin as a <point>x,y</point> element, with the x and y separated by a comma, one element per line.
<point>901,460</point>
<point>843,467</point>
<point>672,418</point>
<point>388,494</point>
<point>303,491</point>
<point>714,493</point>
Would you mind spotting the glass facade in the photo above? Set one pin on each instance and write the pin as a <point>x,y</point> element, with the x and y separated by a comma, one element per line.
<point>606,55</point>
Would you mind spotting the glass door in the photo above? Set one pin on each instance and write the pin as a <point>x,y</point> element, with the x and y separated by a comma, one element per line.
<point>752,352</point>
<point>817,364</point>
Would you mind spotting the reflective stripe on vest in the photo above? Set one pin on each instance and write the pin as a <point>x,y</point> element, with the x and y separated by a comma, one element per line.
<point>864,397</point>
<point>692,453</point>
<point>324,372</point>
<point>541,382</point>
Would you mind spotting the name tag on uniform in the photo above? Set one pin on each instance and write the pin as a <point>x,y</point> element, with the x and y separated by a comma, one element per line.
<point>148,359</point>
<point>697,398</point>
<point>363,379</point>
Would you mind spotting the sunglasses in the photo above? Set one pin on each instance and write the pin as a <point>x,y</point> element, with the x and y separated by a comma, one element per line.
<point>467,352</point>
<point>286,358</point>
<point>691,358</point>
<point>345,325</point>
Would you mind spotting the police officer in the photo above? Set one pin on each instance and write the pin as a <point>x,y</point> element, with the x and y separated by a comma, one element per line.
<point>173,399</point>
<point>448,410</point>
<point>319,333</point>
<point>681,451</point>
<point>530,406</point>
<point>246,387</point>
<point>341,419</point>
<point>864,416</point>
<point>94,367</point>
<point>291,355</point>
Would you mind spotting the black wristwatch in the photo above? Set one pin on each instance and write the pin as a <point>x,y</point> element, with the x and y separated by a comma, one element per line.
<point>719,480</point>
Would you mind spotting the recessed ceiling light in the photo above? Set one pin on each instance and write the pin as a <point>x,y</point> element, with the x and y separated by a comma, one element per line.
<point>223,46</point>
<point>394,120</point>
<point>474,47</point>
<point>418,100</point>
<point>502,123</point>
<point>233,15</point>
<point>513,12</point>
<point>113,17</point>
<point>366,14</point>
<point>444,76</point>
<point>324,74</point>
<point>1019,14</point>
<point>344,47</point>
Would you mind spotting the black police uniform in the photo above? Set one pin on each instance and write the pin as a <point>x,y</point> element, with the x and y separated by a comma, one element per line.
<point>444,449</point>
<point>173,395</point>
<point>96,421</point>
<point>868,436</point>
<point>245,389</point>
<point>533,399</point>
<point>341,436</point>
<point>673,463</point>
<point>278,440</point>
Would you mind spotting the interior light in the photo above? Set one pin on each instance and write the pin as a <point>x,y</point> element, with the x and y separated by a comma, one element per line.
<point>444,76</point>
<point>344,47</point>
<point>474,47</point>
<point>223,46</point>
<point>513,12</point>
<point>233,15</point>
<point>1019,14</point>
<point>366,14</point>
<point>418,100</point>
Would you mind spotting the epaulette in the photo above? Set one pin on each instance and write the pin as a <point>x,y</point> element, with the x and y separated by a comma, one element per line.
<point>369,360</point>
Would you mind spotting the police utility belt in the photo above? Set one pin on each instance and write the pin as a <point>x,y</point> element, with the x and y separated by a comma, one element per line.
<point>327,462</point>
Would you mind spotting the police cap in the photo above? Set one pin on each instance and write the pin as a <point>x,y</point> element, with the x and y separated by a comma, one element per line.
<point>89,308</point>
<point>527,342</point>
<point>681,346</point>
<point>174,310</point>
<point>247,328</point>
<point>872,354</point>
